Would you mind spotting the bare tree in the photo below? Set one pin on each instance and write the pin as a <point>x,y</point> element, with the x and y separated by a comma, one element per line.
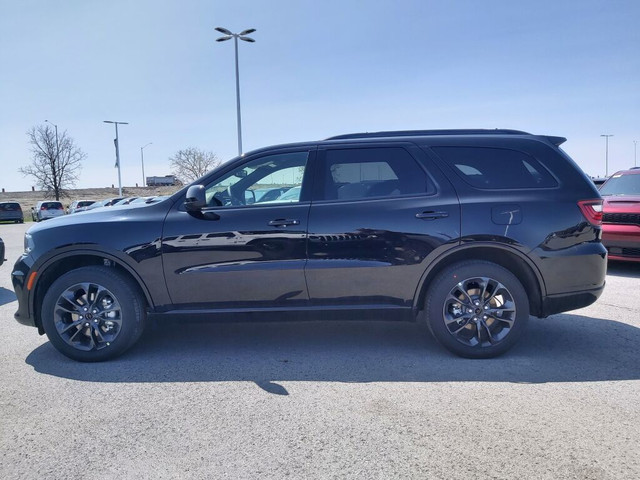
<point>192,163</point>
<point>56,161</point>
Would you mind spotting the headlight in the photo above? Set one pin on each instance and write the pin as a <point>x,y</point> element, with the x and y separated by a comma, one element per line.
<point>28,243</point>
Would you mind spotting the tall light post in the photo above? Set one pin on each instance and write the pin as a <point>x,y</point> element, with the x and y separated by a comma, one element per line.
<point>228,35</point>
<point>118,153</point>
<point>57,145</point>
<point>606,154</point>
<point>142,160</point>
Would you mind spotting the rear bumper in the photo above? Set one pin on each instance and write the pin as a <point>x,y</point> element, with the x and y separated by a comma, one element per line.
<point>574,277</point>
<point>570,301</point>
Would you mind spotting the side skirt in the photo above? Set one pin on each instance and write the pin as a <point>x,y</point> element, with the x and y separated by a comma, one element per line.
<point>339,313</point>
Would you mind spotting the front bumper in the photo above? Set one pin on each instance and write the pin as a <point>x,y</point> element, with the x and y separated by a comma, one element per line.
<point>19,279</point>
<point>622,241</point>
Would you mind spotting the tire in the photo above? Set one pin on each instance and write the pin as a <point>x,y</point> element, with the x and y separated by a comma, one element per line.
<point>477,309</point>
<point>93,314</point>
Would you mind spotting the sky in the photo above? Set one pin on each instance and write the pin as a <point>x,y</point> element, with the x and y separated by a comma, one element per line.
<point>317,68</point>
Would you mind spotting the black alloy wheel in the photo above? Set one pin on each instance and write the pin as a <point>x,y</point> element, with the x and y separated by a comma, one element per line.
<point>477,309</point>
<point>93,314</point>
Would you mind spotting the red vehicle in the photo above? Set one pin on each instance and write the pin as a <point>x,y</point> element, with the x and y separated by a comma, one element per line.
<point>621,215</point>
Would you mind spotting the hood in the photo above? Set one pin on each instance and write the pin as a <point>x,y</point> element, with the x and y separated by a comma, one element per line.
<point>621,203</point>
<point>102,215</point>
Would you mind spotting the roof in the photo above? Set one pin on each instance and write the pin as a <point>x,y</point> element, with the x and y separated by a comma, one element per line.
<point>423,133</point>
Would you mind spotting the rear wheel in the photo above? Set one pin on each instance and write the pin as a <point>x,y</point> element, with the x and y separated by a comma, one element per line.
<point>477,309</point>
<point>93,314</point>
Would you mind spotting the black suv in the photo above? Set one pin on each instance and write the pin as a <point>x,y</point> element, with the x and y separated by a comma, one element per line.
<point>471,231</point>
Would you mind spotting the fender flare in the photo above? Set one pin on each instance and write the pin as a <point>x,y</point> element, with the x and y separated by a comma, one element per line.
<point>445,259</point>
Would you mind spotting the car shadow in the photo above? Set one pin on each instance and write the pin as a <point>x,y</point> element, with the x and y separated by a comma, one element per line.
<point>623,269</point>
<point>7,296</point>
<point>563,348</point>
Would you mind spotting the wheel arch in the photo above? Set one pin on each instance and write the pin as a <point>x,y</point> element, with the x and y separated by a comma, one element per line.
<point>502,255</point>
<point>57,266</point>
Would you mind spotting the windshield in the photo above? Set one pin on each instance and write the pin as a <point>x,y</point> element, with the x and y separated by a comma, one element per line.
<point>622,185</point>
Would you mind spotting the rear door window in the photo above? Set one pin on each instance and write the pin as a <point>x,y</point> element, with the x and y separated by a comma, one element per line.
<point>496,168</point>
<point>359,173</point>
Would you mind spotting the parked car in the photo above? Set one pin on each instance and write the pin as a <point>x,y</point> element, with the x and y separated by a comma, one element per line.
<point>105,203</point>
<point>124,201</point>
<point>79,206</point>
<point>621,219</point>
<point>47,209</point>
<point>291,195</point>
<point>147,200</point>
<point>268,194</point>
<point>598,181</point>
<point>471,231</point>
<point>11,212</point>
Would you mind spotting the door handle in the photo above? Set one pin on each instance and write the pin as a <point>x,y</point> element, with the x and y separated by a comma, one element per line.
<point>283,222</point>
<point>431,215</point>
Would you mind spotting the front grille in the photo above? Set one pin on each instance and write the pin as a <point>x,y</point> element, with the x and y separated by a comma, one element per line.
<point>625,218</point>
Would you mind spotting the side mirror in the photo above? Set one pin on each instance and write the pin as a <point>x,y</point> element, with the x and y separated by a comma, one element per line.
<point>196,198</point>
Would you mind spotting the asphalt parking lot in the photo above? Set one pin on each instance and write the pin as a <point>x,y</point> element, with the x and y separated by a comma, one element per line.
<point>309,400</point>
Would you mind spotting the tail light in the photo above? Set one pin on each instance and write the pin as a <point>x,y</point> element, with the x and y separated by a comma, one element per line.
<point>43,208</point>
<point>592,210</point>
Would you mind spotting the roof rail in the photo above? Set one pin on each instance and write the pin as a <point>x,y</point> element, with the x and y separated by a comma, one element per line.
<point>420,133</point>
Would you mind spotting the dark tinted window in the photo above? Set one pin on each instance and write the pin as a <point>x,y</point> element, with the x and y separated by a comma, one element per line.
<point>499,168</point>
<point>10,207</point>
<point>357,173</point>
<point>52,206</point>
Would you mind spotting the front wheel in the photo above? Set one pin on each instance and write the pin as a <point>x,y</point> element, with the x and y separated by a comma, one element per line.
<point>93,314</point>
<point>477,309</point>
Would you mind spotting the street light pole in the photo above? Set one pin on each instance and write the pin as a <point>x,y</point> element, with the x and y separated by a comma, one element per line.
<point>118,153</point>
<point>57,145</point>
<point>142,160</point>
<point>606,154</point>
<point>228,35</point>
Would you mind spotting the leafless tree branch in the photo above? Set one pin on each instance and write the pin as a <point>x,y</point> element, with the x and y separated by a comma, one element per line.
<point>192,163</point>
<point>56,163</point>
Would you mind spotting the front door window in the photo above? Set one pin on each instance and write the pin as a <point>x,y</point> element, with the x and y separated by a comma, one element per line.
<point>267,180</point>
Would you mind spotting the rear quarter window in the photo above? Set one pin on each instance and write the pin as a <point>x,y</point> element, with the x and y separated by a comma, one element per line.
<point>496,168</point>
